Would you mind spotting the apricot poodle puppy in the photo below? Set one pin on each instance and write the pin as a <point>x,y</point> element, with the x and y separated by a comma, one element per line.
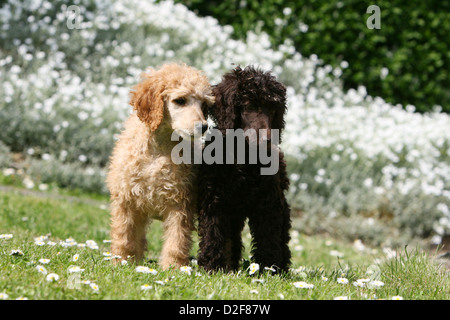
<point>144,182</point>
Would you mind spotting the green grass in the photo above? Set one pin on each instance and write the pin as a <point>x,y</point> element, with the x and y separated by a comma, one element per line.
<point>411,275</point>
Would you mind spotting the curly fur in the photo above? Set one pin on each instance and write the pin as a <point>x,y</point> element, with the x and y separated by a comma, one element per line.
<point>143,181</point>
<point>231,193</point>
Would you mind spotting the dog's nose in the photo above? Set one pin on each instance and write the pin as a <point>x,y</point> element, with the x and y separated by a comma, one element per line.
<point>204,127</point>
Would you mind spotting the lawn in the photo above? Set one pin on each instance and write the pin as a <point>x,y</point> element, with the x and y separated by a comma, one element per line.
<point>72,234</point>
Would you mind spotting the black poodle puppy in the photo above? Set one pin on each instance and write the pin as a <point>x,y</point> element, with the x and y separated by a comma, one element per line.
<point>229,193</point>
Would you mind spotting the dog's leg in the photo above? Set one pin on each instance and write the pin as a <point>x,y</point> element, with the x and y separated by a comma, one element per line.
<point>267,225</point>
<point>178,226</point>
<point>128,232</point>
<point>233,244</point>
<point>212,230</point>
<point>270,234</point>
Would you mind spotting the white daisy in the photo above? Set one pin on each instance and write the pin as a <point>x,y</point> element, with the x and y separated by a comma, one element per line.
<point>146,287</point>
<point>254,267</point>
<point>16,252</point>
<point>186,269</point>
<point>303,285</point>
<point>270,269</point>
<point>94,287</point>
<point>75,269</point>
<point>143,269</point>
<point>342,280</point>
<point>52,277</point>
<point>41,269</point>
<point>375,284</point>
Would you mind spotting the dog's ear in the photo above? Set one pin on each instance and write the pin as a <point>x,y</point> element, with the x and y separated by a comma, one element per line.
<point>279,92</point>
<point>147,100</point>
<point>225,109</point>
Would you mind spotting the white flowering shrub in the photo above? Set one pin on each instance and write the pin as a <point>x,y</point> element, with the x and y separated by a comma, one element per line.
<point>359,167</point>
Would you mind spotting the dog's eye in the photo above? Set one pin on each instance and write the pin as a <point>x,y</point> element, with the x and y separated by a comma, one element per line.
<point>180,101</point>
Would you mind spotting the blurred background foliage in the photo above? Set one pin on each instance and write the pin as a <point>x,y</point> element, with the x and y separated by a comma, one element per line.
<point>406,61</point>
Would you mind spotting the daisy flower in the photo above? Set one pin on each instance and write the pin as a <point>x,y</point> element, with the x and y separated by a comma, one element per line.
<point>143,269</point>
<point>41,269</point>
<point>303,285</point>
<point>75,257</point>
<point>75,269</point>
<point>69,242</point>
<point>342,280</point>
<point>41,238</point>
<point>270,269</point>
<point>124,262</point>
<point>3,296</point>
<point>254,267</point>
<point>257,280</point>
<point>397,298</point>
<point>91,244</point>
<point>52,277</point>
<point>93,286</point>
<point>107,254</point>
<point>160,282</point>
<point>359,283</point>
<point>6,236</point>
<point>375,284</point>
<point>335,253</point>
<point>16,252</point>
<point>22,298</point>
<point>44,261</point>
<point>254,291</point>
<point>146,287</point>
<point>39,243</point>
<point>186,269</point>
<point>324,278</point>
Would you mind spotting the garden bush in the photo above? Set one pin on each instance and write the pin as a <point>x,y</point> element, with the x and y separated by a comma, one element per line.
<point>359,166</point>
<point>406,61</point>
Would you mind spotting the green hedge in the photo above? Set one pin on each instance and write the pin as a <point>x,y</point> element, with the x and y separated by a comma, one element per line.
<point>413,42</point>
